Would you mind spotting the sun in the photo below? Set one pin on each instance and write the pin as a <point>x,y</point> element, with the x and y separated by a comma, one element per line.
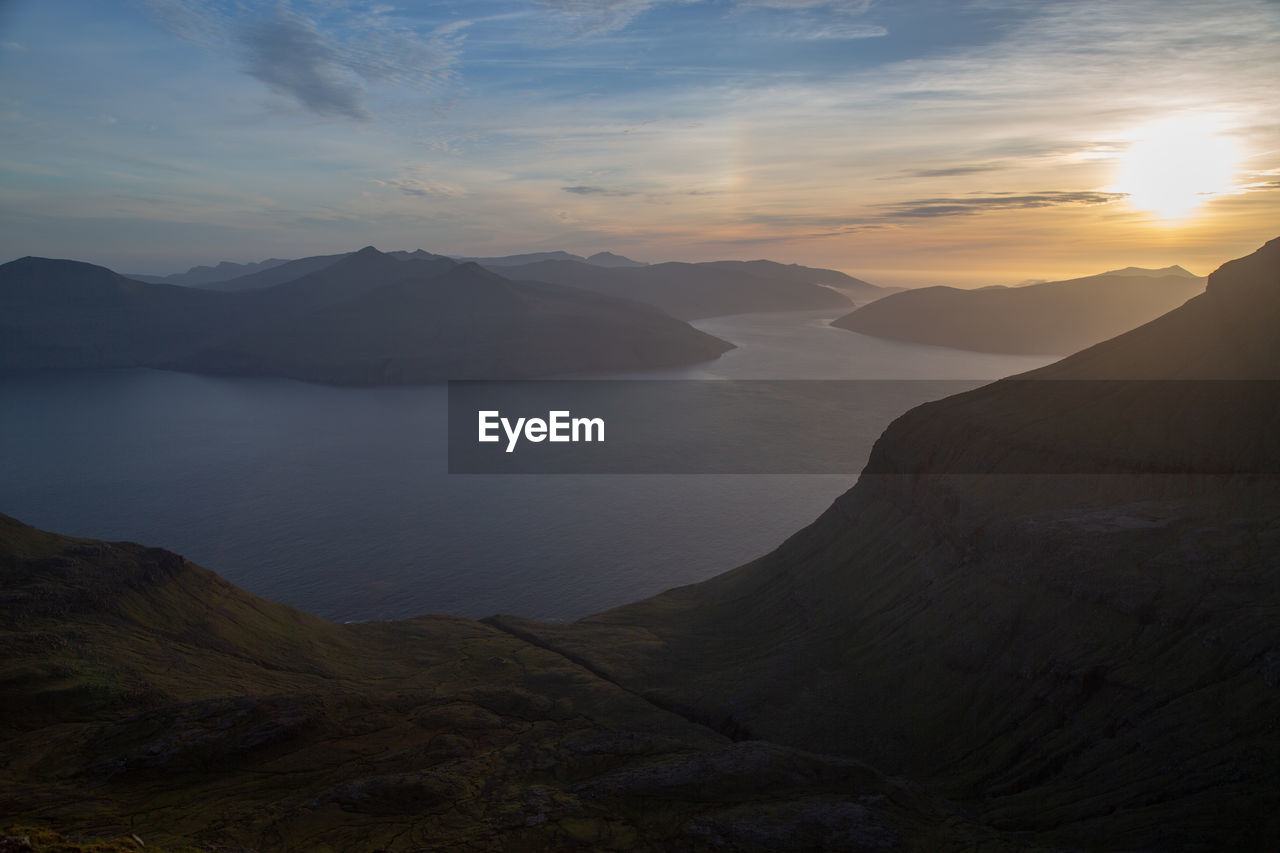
<point>1174,166</point>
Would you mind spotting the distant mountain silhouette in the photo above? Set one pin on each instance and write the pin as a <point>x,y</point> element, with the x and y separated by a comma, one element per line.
<point>692,291</point>
<point>60,313</point>
<point>1054,317</point>
<point>798,274</point>
<point>527,258</point>
<point>1163,272</point>
<point>609,259</point>
<point>202,276</point>
<point>462,323</point>
<point>278,274</point>
<point>1052,598</point>
<point>349,322</point>
<point>416,255</point>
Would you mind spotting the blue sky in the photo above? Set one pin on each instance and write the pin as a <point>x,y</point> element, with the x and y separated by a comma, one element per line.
<point>906,141</point>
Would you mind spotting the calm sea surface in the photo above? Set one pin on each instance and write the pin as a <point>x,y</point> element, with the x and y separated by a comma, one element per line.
<point>337,500</point>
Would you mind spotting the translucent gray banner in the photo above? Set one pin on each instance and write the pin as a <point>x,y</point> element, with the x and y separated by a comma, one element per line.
<point>827,426</point>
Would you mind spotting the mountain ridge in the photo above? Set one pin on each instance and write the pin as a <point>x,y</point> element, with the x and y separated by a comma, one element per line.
<point>1057,317</point>
<point>1071,649</point>
<point>71,314</point>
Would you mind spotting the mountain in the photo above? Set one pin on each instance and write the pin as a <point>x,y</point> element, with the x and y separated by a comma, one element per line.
<point>278,274</point>
<point>1055,317</point>
<point>351,275</point>
<point>1046,617</point>
<point>201,276</point>
<point>364,318</point>
<point>691,291</point>
<point>416,255</point>
<point>464,323</point>
<point>1053,598</point>
<point>60,313</point>
<point>527,258</point>
<point>797,274</point>
<point>145,695</point>
<point>609,259</point>
<point>1164,272</point>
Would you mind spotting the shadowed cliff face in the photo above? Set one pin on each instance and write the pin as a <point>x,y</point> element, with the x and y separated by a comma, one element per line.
<point>1056,597</point>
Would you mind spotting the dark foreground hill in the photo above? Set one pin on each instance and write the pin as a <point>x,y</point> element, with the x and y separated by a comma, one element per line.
<point>366,318</point>
<point>145,695</point>
<point>1055,598</point>
<point>1056,317</point>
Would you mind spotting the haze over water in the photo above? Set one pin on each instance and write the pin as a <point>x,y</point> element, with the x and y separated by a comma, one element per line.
<point>337,500</point>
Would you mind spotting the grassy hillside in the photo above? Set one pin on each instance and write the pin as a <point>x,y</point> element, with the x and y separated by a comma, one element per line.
<point>144,695</point>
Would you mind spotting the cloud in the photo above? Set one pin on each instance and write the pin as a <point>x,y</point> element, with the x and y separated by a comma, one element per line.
<point>593,17</point>
<point>852,7</point>
<point>321,60</point>
<point>588,190</point>
<point>597,17</point>
<point>423,188</point>
<point>929,208</point>
<point>949,172</point>
<point>839,30</point>
<point>288,55</point>
<point>816,20</point>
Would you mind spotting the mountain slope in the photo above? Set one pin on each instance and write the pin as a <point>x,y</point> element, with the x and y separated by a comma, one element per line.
<point>689,291</point>
<point>143,694</point>
<point>59,313</point>
<point>609,259</point>
<point>802,275</point>
<point>201,276</point>
<point>1055,597</point>
<point>335,324</point>
<point>276,274</point>
<point>464,323</point>
<point>1054,317</point>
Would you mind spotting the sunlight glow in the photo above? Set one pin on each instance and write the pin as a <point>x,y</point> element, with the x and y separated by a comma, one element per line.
<point>1173,167</point>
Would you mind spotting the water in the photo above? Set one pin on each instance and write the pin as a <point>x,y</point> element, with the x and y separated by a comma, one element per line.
<point>337,500</point>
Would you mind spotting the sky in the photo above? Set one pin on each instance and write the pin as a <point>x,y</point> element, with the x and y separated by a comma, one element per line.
<point>906,142</point>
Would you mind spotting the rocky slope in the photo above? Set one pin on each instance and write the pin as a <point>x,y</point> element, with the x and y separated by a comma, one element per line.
<point>1055,598</point>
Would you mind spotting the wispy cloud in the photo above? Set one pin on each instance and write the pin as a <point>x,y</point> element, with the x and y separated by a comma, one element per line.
<point>810,19</point>
<point>928,208</point>
<point>949,171</point>
<point>590,190</point>
<point>422,187</point>
<point>816,20</point>
<point>287,53</point>
<point>593,17</point>
<point>316,54</point>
